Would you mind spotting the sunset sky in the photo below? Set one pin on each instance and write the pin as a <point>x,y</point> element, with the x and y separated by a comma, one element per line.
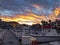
<point>13,7</point>
<point>29,11</point>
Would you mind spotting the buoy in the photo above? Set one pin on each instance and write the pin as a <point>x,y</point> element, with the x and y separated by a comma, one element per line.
<point>34,42</point>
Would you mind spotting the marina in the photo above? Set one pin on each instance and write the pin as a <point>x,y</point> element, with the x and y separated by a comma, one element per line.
<point>8,36</point>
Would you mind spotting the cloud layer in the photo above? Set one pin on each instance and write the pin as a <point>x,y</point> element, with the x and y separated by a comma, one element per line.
<point>39,7</point>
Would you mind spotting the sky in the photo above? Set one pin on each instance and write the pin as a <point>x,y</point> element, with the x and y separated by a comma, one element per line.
<point>39,7</point>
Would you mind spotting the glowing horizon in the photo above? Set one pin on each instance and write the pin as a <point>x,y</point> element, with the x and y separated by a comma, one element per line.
<point>31,18</point>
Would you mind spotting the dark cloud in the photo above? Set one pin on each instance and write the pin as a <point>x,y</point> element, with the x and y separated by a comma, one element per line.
<point>16,4</point>
<point>44,2</point>
<point>13,4</point>
<point>20,6</point>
